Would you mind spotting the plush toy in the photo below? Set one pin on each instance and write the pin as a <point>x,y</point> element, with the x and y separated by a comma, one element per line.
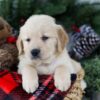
<point>8,50</point>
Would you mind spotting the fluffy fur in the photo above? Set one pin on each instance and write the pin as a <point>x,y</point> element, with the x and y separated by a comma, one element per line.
<point>53,58</point>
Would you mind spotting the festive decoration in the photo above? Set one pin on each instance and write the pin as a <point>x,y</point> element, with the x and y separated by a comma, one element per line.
<point>84,42</point>
<point>11,39</point>
<point>8,50</point>
<point>6,59</point>
<point>12,89</point>
<point>8,55</point>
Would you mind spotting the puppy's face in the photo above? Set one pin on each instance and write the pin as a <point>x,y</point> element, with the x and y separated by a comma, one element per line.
<point>41,40</point>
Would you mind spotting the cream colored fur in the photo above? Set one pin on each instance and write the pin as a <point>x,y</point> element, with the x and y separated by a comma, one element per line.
<point>54,56</point>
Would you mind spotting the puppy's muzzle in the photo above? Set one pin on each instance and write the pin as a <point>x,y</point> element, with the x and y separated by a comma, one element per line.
<point>35,53</point>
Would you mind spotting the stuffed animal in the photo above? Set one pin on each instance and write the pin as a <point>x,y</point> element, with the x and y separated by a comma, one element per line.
<point>8,50</point>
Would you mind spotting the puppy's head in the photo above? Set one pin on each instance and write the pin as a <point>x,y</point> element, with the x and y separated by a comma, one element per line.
<point>41,39</point>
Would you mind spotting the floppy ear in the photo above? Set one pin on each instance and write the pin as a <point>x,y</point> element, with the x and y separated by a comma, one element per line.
<point>20,46</point>
<point>62,38</point>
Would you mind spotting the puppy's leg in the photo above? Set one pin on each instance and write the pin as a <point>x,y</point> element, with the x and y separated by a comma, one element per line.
<point>62,78</point>
<point>29,79</point>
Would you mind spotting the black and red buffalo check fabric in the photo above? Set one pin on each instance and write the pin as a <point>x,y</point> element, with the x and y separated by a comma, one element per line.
<point>11,88</point>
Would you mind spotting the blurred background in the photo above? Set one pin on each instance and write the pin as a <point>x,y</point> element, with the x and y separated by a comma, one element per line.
<point>80,18</point>
<point>67,12</point>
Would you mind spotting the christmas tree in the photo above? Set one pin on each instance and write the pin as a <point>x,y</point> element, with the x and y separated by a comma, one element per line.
<point>67,12</point>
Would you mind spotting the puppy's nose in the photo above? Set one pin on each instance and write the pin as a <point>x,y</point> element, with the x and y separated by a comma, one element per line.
<point>35,53</point>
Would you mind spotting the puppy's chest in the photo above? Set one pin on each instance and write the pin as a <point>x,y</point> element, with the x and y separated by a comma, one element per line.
<point>43,69</point>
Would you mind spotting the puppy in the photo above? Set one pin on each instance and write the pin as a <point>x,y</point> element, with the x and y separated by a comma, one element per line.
<point>42,50</point>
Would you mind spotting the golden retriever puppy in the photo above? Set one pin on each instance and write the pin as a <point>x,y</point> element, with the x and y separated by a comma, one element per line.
<point>42,50</point>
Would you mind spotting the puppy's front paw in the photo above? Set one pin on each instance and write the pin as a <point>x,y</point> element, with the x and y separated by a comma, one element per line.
<point>30,84</point>
<point>62,82</point>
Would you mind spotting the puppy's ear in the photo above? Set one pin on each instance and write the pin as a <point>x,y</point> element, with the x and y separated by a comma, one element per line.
<point>20,45</point>
<point>62,38</point>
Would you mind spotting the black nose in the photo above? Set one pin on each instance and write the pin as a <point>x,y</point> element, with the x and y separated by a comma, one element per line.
<point>35,53</point>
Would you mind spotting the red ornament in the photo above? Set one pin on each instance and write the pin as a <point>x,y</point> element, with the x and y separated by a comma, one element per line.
<point>75,28</point>
<point>11,39</point>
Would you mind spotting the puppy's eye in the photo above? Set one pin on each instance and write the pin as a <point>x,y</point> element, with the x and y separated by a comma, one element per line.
<point>44,38</point>
<point>28,39</point>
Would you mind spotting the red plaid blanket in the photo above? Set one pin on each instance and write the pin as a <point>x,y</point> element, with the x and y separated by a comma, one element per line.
<point>11,88</point>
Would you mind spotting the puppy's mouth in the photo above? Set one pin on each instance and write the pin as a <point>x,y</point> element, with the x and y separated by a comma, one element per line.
<point>45,58</point>
<point>40,58</point>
